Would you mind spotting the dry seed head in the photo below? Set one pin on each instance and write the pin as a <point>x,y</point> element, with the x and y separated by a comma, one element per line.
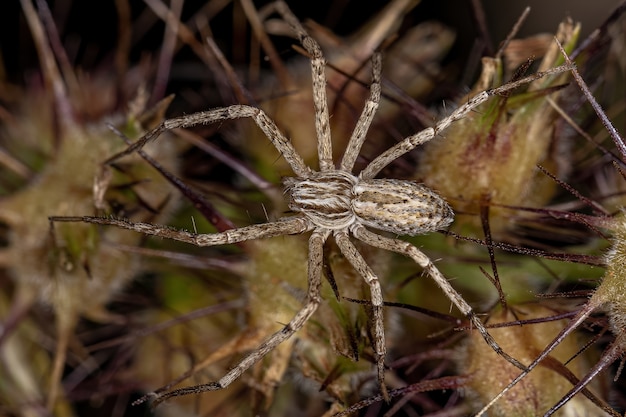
<point>541,388</point>
<point>611,293</point>
<point>65,186</point>
<point>491,155</point>
<point>77,262</point>
<point>610,296</point>
<point>72,269</point>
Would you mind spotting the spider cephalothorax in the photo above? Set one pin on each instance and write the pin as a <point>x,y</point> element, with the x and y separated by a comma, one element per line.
<point>325,198</point>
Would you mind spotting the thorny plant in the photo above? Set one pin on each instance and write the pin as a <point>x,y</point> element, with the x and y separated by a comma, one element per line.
<point>47,127</point>
<point>609,295</point>
<point>332,201</point>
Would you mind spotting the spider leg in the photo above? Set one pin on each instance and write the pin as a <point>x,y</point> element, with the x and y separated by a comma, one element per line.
<point>365,119</point>
<point>285,226</point>
<point>354,257</point>
<point>405,248</point>
<point>315,264</point>
<point>266,124</point>
<point>318,74</point>
<point>410,142</point>
<point>572,325</point>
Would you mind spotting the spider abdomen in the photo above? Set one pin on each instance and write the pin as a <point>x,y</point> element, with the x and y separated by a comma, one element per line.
<point>400,206</point>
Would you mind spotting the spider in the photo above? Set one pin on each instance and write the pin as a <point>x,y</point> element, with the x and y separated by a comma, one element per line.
<point>331,201</point>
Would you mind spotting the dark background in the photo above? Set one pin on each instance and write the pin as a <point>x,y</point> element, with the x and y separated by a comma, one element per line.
<point>89,28</point>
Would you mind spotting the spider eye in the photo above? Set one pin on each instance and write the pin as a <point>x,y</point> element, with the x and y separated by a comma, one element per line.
<point>400,207</point>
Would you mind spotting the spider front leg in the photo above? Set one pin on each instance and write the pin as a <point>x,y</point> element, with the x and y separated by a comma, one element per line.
<point>284,226</point>
<point>313,299</point>
<point>266,124</point>
<point>405,248</point>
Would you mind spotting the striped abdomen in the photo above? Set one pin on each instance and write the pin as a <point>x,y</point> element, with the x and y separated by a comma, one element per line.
<point>401,207</point>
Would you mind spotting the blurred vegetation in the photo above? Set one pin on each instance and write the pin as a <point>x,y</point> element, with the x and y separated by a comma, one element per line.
<point>104,316</point>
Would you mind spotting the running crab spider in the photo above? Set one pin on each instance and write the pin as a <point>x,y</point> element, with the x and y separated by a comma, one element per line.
<point>331,201</point>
